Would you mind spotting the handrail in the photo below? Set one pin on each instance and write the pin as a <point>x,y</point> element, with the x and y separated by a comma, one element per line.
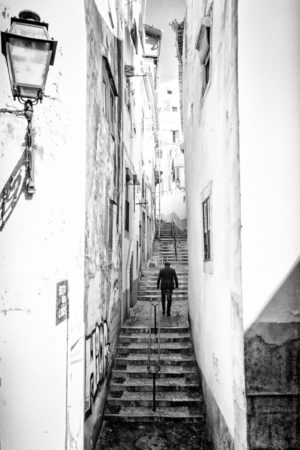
<point>156,366</point>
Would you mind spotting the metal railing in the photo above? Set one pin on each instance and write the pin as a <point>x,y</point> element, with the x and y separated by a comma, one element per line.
<point>153,366</point>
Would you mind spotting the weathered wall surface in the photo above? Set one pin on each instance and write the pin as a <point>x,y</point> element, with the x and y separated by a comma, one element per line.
<point>103,261</point>
<point>42,244</point>
<point>270,183</point>
<point>212,167</point>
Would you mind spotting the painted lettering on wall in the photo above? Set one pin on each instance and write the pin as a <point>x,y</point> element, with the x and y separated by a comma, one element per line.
<point>96,363</point>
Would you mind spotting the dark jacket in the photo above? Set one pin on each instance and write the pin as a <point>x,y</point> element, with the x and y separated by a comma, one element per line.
<point>167,276</point>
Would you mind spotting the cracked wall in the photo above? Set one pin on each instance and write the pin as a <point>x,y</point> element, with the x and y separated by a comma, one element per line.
<point>103,216</point>
<point>272,359</point>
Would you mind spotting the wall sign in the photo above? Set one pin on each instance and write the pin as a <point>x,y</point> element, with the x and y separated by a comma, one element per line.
<point>62,301</point>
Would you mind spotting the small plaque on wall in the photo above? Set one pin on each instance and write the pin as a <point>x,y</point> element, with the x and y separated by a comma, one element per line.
<point>62,301</point>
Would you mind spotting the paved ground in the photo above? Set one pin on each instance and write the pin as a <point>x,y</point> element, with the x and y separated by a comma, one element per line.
<point>167,436</point>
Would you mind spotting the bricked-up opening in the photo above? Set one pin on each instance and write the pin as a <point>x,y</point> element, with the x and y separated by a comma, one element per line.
<point>206,229</point>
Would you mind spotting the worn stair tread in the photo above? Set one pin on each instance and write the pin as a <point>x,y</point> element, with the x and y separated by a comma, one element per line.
<point>160,395</point>
<point>163,330</point>
<point>142,369</point>
<point>165,357</point>
<point>162,335</point>
<point>127,382</point>
<point>144,346</point>
<point>139,413</point>
<point>165,369</point>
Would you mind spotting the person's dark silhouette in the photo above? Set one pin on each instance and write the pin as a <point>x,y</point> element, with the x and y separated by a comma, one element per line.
<point>166,278</point>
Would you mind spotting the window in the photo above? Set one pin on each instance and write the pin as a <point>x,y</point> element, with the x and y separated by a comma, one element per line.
<point>169,92</point>
<point>143,188</point>
<point>203,45</point>
<point>127,204</point>
<point>174,108</point>
<point>109,92</point>
<point>127,209</point>
<point>175,136</point>
<point>206,229</point>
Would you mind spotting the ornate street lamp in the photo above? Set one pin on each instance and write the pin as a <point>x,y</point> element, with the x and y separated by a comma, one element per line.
<point>29,52</point>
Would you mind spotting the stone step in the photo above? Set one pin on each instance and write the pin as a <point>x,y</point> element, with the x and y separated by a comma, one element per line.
<point>149,298</point>
<point>165,348</point>
<point>153,276</point>
<point>146,385</point>
<point>156,293</point>
<point>153,286</point>
<point>167,372</point>
<point>127,329</point>
<point>144,282</point>
<point>165,360</point>
<point>169,238</point>
<point>168,254</point>
<point>131,414</point>
<point>164,338</point>
<point>153,290</point>
<point>152,279</point>
<point>145,399</point>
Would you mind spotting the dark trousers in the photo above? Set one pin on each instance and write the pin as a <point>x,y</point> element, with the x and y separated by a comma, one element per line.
<point>168,293</point>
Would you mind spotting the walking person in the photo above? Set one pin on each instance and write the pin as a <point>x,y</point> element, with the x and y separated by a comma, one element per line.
<point>166,278</point>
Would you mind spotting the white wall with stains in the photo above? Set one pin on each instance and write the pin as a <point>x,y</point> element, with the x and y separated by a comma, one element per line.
<point>41,244</point>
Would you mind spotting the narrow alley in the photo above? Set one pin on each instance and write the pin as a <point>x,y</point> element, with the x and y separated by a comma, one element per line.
<point>149,151</point>
<point>179,418</point>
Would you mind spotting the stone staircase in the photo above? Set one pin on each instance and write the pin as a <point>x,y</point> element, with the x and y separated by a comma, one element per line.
<point>165,242</point>
<point>178,390</point>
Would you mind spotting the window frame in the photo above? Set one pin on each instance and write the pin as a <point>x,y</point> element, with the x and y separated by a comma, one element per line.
<point>207,194</point>
<point>206,217</point>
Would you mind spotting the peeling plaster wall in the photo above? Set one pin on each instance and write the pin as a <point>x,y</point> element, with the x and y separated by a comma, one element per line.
<point>42,243</point>
<point>212,166</point>
<point>269,70</point>
<point>103,264</point>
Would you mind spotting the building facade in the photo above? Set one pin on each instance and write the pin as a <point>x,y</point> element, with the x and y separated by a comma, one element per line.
<point>85,234</point>
<point>171,162</point>
<point>242,180</point>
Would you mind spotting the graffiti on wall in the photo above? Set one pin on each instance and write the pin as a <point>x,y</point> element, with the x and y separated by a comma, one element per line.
<point>96,363</point>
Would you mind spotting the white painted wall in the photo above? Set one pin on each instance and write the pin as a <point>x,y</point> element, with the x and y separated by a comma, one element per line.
<point>211,159</point>
<point>269,89</point>
<point>42,244</point>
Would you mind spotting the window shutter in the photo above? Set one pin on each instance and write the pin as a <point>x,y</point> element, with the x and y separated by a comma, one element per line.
<point>202,43</point>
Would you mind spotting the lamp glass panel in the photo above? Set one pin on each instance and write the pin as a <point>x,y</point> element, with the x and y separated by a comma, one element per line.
<point>33,31</point>
<point>30,62</point>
